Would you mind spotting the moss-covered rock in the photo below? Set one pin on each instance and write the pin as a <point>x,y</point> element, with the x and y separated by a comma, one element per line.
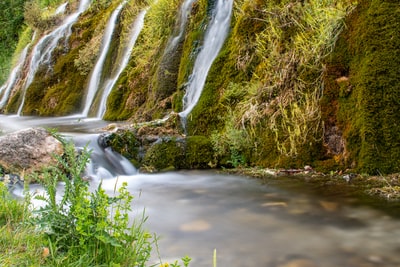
<point>166,153</point>
<point>125,143</point>
<point>199,153</point>
<point>366,99</point>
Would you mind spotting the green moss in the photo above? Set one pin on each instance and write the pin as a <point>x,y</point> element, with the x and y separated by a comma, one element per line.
<point>126,144</point>
<point>58,92</point>
<point>137,92</point>
<point>12,23</point>
<point>369,53</point>
<point>195,152</point>
<point>164,154</point>
<point>236,63</point>
<point>198,153</point>
<point>115,108</point>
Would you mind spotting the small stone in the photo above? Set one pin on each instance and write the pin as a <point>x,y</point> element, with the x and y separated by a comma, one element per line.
<point>298,263</point>
<point>375,259</point>
<point>329,206</point>
<point>275,204</point>
<point>308,169</point>
<point>195,226</point>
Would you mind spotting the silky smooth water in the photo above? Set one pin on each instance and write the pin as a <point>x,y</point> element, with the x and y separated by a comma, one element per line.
<point>95,76</point>
<point>125,57</point>
<point>280,222</point>
<point>214,38</point>
<point>43,50</point>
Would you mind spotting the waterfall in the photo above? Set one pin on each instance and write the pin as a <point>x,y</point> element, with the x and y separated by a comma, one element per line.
<point>104,163</point>
<point>214,38</point>
<point>134,34</point>
<point>43,50</point>
<point>95,77</point>
<point>186,9</point>
<point>13,78</point>
<point>61,9</point>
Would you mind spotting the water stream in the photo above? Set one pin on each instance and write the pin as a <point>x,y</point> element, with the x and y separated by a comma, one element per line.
<point>97,71</point>
<point>127,51</point>
<point>61,9</point>
<point>13,77</point>
<point>185,11</point>
<point>215,36</point>
<point>43,50</point>
<point>283,222</point>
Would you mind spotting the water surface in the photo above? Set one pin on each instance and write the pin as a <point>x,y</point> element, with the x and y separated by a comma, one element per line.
<point>281,222</point>
<point>254,224</point>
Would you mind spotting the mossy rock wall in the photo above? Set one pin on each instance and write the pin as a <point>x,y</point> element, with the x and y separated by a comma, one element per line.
<point>208,115</point>
<point>274,111</point>
<point>138,94</point>
<point>364,79</point>
<point>59,89</point>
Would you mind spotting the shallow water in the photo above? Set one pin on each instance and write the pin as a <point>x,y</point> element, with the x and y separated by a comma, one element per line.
<point>281,222</point>
<point>254,224</point>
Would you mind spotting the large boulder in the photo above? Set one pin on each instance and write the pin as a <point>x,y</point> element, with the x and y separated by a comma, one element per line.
<point>28,150</point>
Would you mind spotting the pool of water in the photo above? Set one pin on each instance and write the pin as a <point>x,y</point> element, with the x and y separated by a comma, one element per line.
<point>251,223</point>
<point>281,222</point>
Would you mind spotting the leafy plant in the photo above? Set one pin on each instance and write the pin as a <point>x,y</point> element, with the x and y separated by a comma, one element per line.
<point>185,261</point>
<point>234,143</point>
<point>88,228</point>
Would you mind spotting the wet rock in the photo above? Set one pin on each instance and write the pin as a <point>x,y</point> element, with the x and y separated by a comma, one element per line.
<point>28,150</point>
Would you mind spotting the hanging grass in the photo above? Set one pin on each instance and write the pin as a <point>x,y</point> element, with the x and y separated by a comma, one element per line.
<point>296,38</point>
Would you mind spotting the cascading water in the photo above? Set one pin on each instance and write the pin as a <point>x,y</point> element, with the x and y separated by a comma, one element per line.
<point>134,34</point>
<point>186,9</point>
<point>13,78</point>
<point>104,162</point>
<point>61,9</point>
<point>214,39</point>
<point>95,77</point>
<point>43,50</point>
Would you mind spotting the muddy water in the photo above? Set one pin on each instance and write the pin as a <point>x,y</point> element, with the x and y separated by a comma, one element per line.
<point>254,224</point>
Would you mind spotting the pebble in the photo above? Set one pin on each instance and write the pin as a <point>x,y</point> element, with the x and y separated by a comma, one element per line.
<point>329,205</point>
<point>195,226</point>
<point>298,263</point>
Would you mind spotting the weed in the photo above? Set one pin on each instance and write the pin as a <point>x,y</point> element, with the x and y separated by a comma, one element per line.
<point>11,210</point>
<point>86,228</point>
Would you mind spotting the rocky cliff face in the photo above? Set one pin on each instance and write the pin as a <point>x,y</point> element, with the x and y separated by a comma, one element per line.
<point>296,82</point>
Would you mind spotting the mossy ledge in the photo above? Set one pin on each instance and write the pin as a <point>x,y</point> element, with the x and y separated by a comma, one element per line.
<point>159,146</point>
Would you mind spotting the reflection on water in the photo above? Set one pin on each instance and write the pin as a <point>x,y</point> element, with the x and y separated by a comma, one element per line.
<point>259,225</point>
